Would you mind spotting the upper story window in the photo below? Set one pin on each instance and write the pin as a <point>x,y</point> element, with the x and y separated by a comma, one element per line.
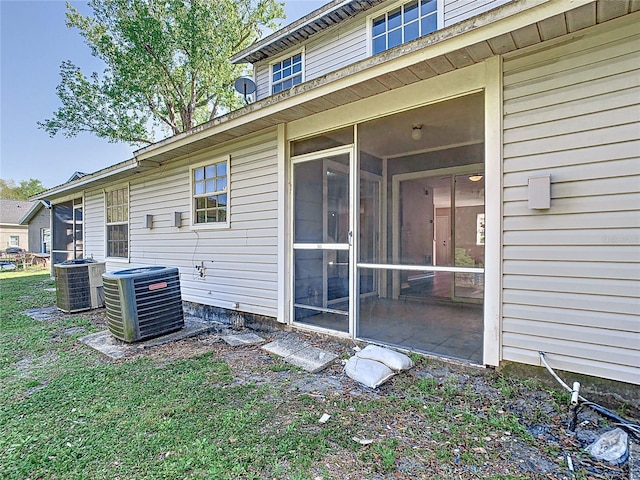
<point>403,24</point>
<point>210,197</point>
<point>286,73</point>
<point>117,210</point>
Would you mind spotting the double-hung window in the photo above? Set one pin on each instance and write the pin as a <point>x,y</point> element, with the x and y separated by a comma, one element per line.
<point>403,24</point>
<point>210,193</point>
<point>286,73</point>
<point>117,212</point>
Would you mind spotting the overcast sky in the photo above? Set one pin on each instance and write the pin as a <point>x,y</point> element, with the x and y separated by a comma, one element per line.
<point>34,42</point>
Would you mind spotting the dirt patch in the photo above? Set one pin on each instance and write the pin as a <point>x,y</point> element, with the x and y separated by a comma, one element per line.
<point>407,443</point>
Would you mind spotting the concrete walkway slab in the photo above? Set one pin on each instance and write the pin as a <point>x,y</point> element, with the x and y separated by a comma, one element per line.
<point>46,314</point>
<point>242,339</point>
<point>285,345</point>
<point>299,353</point>
<point>110,346</point>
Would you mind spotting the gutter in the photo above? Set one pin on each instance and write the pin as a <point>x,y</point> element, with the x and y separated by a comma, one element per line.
<point>106,174</point>
<point>241,57</point>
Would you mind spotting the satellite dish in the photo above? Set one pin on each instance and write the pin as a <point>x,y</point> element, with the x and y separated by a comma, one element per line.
<point>245,86</point>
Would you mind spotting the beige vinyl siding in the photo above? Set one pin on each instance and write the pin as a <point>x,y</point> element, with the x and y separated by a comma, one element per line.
<point>262,80</point>
<point>326,53</point>
<point>571,274</point>
<point>240,261</point>
<point>341,46</point>
<point>458,10</point>
<point>94,221</point>
<point>337,49</point>
<point>41,220</point>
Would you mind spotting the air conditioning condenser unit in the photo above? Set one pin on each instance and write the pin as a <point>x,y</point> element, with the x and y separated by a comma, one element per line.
<point>79,285</point>
<point>143,302</point>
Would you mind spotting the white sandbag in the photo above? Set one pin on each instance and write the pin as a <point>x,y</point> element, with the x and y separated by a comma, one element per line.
<point>394,360</point>
<point>368,372</point>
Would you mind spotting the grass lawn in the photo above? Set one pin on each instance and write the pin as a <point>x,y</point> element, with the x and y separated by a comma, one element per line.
<point>67,412</point>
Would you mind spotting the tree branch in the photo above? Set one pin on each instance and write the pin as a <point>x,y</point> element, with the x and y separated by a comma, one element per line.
<point>166,71</point>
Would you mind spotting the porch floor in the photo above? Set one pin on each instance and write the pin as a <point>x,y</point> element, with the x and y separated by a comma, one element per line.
<point>445,329</point>
<point>442,328</point>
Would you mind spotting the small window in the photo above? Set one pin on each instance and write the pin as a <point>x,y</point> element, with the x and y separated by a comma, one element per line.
<point>14,241</point>
<point>210,193</point>
<point>117,216</point>
<point>286,73</point>
<point>403,24</point>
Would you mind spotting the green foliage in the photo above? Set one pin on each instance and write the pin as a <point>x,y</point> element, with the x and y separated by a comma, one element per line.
<point>166,65</point>
<point>68,412</point>
<point>25,189</point>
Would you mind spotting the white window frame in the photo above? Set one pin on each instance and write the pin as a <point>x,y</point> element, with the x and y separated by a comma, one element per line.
<point>227,191</point>
<point>126,222</point>
<point>14,240</point>
<point>439,13</point>
<point>300,52</point>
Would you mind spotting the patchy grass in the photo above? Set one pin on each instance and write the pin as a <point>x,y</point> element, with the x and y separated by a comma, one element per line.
<point>67,412</point>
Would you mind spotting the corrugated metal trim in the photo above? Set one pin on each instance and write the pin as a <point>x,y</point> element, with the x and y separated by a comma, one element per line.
<point>317,21</point>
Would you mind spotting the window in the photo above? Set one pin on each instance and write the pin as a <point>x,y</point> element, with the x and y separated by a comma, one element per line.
<point>286,73</point>
<point>117,206</point>
<point>403,24</point>
<point>14,241</point>
<point>45,240</point>
<point>210,198</point>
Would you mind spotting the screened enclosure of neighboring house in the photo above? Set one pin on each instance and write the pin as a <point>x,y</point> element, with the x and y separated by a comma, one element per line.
<point>67,232</point>
<point>388,234</point>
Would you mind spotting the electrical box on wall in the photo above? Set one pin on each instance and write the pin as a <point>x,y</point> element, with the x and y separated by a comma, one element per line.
<point>539,193</point>
<point>177,219</point>
<point>148,221</point>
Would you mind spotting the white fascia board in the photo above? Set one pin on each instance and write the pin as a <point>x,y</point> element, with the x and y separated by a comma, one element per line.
<point>286,31</point>
<point>82,183</point>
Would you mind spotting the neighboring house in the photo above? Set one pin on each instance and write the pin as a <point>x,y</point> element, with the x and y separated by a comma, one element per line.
<point>458,178</point>
<point>12,232</point>
<point>38,222</point>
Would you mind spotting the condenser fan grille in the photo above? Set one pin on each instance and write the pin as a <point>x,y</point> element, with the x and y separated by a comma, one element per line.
<point>72,289</point>
<point>143,303</point>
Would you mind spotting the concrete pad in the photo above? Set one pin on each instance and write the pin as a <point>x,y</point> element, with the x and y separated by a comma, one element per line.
<point>301,354</point>
<point>312,359</point>
<point>285,346</point>
<point>191,329</point>
<point>242,339</point>
<point>46,314</point>
<point>109,345</point>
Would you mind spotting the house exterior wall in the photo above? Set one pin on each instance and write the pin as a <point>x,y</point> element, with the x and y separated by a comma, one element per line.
<point>94,225</point>
<point>458,10</point>
<point>240,262</point>
<point>41,220</point>
<point>571,274</point>
<point>349,43</point>
<point>7,231</point>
